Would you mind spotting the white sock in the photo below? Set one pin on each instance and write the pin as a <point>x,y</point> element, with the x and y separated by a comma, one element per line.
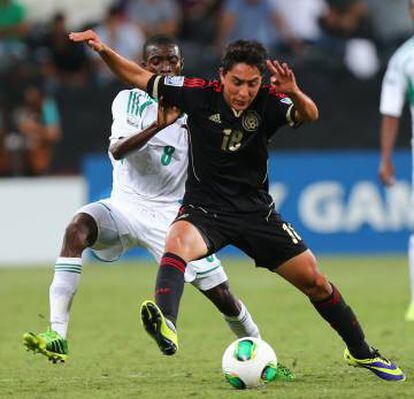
<point>243,324</point>
<point>61,292</point>
<point>411,264</point>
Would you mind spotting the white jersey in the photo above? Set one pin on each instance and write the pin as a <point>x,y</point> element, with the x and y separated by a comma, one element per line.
<point>398,82</point>
<point>158,170</point>
<point>147,186</point>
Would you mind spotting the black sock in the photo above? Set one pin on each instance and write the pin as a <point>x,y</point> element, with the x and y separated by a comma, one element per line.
<point>170,285</point>
<point>342,319</point>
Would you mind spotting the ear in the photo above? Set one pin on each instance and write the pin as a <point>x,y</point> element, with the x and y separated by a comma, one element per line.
<point>221,74</point>
<point>182,64</point>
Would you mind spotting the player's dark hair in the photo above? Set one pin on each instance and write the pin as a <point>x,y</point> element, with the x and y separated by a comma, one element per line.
<point>247,52</point>
<point>159,40</point>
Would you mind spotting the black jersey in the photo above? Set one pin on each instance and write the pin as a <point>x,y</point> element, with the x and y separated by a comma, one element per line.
<point>228,152</point>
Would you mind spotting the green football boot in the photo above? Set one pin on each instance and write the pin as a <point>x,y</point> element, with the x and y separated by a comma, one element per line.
<point>50,344</point>
<point>284,374</point>
<point>379,365</point>
<point>159,328</point>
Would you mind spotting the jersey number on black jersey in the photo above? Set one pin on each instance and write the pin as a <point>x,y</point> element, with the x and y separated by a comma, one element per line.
<point>231,140</point>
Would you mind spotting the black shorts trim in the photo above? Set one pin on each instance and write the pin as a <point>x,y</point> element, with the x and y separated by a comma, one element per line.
<point>272,265</point>
<point>203,231</point>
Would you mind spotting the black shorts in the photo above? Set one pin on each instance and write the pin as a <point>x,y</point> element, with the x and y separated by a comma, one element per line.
<point>268,239</point>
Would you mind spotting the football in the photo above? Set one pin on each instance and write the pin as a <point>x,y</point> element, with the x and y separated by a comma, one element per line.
<point>249,362</point>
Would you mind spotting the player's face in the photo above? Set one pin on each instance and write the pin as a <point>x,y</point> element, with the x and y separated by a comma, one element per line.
<point>412,9</point>
<point>163,60</point>
<point>240,85</point>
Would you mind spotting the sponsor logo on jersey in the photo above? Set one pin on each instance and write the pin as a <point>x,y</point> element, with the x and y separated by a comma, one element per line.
<point>177,81</point>
<point>250,121</point>
<point>286,100</point>
<point>216,118</point>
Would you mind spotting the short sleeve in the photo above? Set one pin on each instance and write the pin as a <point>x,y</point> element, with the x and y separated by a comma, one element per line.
<point>188,94</point>
<point>279,111</point>
<point>394,88</point>
<point>132,111</point>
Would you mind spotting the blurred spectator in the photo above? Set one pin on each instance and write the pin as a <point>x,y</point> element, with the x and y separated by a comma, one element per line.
<point>155,16</point>
<point>65,60</point>
<point>253,20</point>
<point>13,28</point>
<point>199,20</point>
<point>198,27</point>
<point>349,36</point>
<point>391,22</point>
<point>302,17</point>
<point>346,19</point>
<point>121,35</point>
<point>37,121</point>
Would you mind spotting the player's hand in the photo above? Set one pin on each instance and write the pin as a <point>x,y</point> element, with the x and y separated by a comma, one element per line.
<point>90,37</point>
<point>167,114</point>
<point>387,173</point>
<point>282,77</point>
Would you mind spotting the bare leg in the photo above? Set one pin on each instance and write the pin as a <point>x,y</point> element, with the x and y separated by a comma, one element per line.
<point>223,299</point>
<point>303,273</point>
<point>80,234</point>
<point>235,313</point>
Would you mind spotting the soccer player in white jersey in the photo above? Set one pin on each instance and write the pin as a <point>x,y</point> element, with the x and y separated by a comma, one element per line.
<point>148,151</point>
<point>397,86</point>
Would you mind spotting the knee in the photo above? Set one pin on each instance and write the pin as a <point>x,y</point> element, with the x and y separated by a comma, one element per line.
<point>183,243</point>
<point>176,244</point>
<point>77,234</point>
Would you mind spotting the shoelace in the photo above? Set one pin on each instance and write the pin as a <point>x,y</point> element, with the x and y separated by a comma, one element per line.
<point>375,353</point>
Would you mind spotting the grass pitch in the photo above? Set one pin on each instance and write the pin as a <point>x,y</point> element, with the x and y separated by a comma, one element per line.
<point>112,357</point>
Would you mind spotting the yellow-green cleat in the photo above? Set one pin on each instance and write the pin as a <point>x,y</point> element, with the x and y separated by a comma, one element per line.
<point>50,344</point>
<point>159,328</point>
<point>409,316</point>
<point>284,374</point>
<point>379,365</point>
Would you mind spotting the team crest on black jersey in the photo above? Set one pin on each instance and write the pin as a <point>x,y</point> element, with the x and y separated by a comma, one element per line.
<point>251,121</point>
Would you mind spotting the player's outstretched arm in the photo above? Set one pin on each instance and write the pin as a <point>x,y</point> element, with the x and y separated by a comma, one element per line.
<point>126,70</point>
<point>283,79</point>
<point>388,135</point>
<point>166,116</point>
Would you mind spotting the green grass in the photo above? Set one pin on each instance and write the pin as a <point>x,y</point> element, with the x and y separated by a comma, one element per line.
<point>111,357</point>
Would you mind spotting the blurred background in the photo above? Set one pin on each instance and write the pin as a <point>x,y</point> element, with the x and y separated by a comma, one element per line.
<point>55,117</point>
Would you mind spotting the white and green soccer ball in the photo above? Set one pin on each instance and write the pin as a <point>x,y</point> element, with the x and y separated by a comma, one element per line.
<point>249,362</point>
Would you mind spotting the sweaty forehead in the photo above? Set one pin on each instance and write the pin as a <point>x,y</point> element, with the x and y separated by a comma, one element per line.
<point>163,50</point>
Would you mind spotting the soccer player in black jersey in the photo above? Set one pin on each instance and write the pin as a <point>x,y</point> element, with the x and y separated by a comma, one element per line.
<point>226,201</point>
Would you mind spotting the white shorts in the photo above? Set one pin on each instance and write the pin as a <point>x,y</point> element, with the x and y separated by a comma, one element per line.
<point>121,228</point>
